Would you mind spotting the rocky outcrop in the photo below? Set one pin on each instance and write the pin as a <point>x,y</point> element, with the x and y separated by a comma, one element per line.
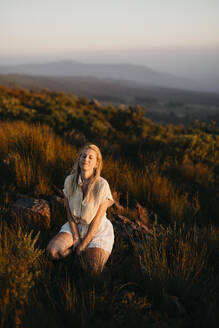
<point>131,222</point>
<point>95,103</point>
<point>130,229</point>
<point>128,223</point>
<point>32,209</point>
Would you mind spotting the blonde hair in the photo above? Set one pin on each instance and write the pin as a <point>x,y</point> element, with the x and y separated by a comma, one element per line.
<point>76,171</point>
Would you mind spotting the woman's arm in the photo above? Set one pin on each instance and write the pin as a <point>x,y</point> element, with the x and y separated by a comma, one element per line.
<point>72,223</point>
<point>94,225</point>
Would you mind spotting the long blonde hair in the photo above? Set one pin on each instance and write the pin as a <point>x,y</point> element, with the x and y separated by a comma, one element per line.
<point>76,171</point>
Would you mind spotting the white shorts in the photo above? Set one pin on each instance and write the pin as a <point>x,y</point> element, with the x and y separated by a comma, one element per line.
<point>103,238</point>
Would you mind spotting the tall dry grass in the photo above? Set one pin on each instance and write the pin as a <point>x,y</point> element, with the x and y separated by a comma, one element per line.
<point>19,269</point>
<point>34,155</point>
<point>38,159</point>
<point>143,281</point>
<point>153,189</point>
<point>177,264</point>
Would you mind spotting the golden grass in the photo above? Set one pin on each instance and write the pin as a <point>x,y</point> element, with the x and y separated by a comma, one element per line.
<point>35,155</point>
<point>38,159</point>
<point>177,261</point>
<point>20,266</point>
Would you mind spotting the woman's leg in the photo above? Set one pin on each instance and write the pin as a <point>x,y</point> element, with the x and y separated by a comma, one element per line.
<point>96,258</point>
<point>60,245</point>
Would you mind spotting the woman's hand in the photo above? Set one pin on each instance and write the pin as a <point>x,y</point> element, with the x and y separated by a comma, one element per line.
<point>94,225</point>
<point>80,247</point>
<point>76,243</point>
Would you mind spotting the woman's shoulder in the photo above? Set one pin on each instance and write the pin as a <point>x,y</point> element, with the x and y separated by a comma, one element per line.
<point>103,182</point>
<point>67,185</point>
<point>69,178</point>
<point>100,184</point>
<point>104,191</point>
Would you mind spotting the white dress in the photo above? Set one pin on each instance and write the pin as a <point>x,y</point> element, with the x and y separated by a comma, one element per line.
<point>85,212</point>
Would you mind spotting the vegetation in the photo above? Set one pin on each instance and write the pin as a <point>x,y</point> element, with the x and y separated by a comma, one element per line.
<point>168,278</point>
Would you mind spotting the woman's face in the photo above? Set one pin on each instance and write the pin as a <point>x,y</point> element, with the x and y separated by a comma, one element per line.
<point>88,160</point>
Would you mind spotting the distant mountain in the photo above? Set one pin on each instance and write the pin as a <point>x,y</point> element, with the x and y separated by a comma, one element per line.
<point>127,72</point>
<point>110,91</point>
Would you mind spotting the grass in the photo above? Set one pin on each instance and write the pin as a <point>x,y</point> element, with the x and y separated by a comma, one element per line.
<point>20,266</point>
<point>35,156</point>
<point>169,279</point>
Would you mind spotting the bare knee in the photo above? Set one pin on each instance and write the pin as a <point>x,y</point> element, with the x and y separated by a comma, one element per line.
<point>59,246</point>
<point>52,252</point>
<point>56,253</point>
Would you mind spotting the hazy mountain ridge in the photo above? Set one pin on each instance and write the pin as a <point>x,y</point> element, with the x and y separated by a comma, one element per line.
<point>109,90</point>
<point>134,73</point>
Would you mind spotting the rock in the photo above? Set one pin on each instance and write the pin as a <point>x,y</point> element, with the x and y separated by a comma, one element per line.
<point>116,197</point>
<point>33,210</point>
<point>95,102</point>
<point>130,229</point>
<point>142,214</point>
<point>136,225</point>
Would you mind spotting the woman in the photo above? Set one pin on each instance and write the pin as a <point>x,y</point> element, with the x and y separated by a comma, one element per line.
<point>87,196</point>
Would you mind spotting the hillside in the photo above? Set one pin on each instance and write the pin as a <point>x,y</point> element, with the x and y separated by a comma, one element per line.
<point>163,104</point>
<point>163,177</point>
<point>108,90</point>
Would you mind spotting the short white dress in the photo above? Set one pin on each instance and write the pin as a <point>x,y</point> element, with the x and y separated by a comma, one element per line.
<point>85,211</point>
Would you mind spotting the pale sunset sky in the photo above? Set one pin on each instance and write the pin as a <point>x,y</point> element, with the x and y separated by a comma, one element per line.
<point>168,35</point>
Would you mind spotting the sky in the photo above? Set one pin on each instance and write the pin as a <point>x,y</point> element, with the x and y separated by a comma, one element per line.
<point>169,35</point>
